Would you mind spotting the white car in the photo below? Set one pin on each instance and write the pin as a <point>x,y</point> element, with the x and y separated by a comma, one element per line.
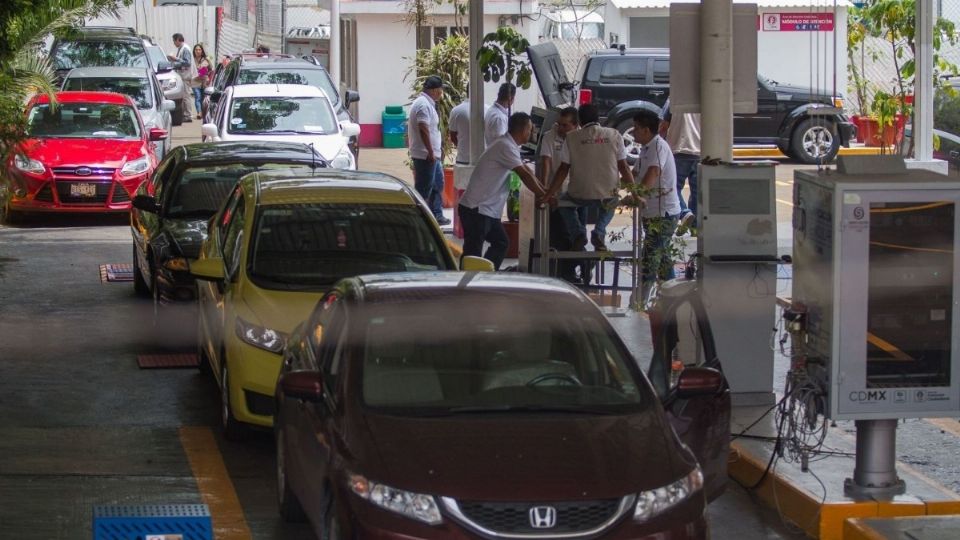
<point>286,113</point>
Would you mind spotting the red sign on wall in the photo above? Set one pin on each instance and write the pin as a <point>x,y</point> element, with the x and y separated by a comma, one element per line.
<point>797,22</point>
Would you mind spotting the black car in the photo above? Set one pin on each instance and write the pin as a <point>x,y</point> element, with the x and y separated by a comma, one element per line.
<point>806,125</point>
<point>101,46</point>
<point>171,210</point>
<point>281,69</point>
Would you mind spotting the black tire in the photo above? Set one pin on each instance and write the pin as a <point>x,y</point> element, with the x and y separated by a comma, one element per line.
<point>140,286</point>
<point>815,140</point>
<point>233,429</point>
<point>177,114</point>
<point>625,128</point>
<point>290,508</point>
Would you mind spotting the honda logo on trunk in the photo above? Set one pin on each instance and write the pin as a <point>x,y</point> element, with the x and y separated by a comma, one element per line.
<point>543,517</point>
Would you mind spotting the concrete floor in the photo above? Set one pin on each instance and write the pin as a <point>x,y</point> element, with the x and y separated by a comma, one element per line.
<point>81,425</point>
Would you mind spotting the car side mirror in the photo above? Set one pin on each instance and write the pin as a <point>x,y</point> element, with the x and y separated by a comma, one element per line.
<point>352,97</point>
<point>209,130</point>
<point>146,203</point>
<point>163,66</point>
<point>158,134</point>
<point>168,105</point>
<point>305,385</point>
<point>209,269</point>
<point>699,381</point>
<point>350,129</point>
<point>472,263</point>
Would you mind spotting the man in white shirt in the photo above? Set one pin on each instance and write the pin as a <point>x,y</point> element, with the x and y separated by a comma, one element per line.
<point>553,148</point>
<point>682,132</point>
<point>597,164</point>
<point>481,207</point>
<point>184,66</point>
<point>657,174</point>
<point>459,127</point>
<point>423,136</point>
<point>495,118</point>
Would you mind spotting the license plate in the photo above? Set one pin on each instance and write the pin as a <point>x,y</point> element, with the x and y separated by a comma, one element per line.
<point>83,190</point>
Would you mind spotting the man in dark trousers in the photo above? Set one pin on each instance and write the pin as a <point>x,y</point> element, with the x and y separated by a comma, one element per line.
<point>423,136</point>
<point>481,207</point>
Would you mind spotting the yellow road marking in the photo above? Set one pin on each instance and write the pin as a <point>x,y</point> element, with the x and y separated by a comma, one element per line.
<point>888,347</point>
<point>910,248</point>
<point>781,201</point>
<point>214,483</point>
<point>947,424</point>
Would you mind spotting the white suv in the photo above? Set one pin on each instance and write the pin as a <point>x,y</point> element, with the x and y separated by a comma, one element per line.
<point>287,113</point>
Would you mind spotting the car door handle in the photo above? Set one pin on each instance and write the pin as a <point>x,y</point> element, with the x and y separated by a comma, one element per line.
<point>657,92</point>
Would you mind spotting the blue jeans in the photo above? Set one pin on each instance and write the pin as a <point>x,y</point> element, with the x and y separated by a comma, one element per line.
<point>575,218</point>
<point>428,180</point>
<point>198,99</point>
<point>687,169</point>
<point>657,260</point>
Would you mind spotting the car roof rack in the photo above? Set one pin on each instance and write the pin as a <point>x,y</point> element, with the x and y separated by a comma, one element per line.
<point>106,29</point>
<point>252,54</point>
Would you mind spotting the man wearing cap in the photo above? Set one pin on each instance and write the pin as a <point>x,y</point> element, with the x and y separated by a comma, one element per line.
<point>423,134</point>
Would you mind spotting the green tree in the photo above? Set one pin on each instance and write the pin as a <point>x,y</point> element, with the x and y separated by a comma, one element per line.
<point>24,68</point>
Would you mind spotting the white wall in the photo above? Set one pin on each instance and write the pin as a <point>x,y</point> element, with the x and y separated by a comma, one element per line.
<point>162,22</point>
<point>385,47</point>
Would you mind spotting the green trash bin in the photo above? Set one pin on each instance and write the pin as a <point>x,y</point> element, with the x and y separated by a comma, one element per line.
<point>394,122</point>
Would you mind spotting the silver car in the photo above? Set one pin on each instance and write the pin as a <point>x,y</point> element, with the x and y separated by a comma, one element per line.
<point>171,83</point>
<point>138,83</point>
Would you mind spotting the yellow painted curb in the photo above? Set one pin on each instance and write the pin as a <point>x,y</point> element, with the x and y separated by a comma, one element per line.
<point>856,529</point>
<point>773,153</point>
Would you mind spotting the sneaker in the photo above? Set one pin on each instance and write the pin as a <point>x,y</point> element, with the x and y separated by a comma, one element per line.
<point>579,243</point>
<point>686,223</point>
<point>443,221</point>
<point>598,243</point>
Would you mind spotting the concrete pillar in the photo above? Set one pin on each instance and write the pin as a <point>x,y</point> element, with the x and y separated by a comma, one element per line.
<point>716,79</point>
<point>476,81</point>
<point>923,83</point>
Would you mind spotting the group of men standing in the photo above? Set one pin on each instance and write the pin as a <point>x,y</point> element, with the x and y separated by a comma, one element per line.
<point>583,167</point>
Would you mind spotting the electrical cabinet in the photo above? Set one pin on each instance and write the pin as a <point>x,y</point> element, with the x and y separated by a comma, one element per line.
<point>875,274</point>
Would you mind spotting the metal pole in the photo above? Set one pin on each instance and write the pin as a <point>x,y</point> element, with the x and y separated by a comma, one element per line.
<point>923,83</point>
<point>335,42</point>
<point>203,24</point>
<point>476,81</point>
<point>875,472</point>
<point>283,26</point>
<point>716,79</point>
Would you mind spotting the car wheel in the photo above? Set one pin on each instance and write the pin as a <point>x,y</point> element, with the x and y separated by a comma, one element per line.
<point>290,508</point>
<point>233,430</point>
<point>633,151</point>
<point>177,113</point>
<point>815,141</point>
<point>140,286</point>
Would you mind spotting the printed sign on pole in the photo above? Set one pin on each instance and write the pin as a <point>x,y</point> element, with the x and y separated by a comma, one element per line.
<point>797,22</point>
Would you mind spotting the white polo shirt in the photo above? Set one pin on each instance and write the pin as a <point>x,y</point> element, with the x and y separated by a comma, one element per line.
<point>555,148</point>
<point>423,111</point>
<point>664,201</point>
<point>593,155</point>
<point>495,123</point>
<point>489,186</point>
<point>459,123</point>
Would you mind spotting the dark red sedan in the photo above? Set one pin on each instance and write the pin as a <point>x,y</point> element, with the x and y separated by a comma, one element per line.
<point>89,153</point>
<point>483,405</point>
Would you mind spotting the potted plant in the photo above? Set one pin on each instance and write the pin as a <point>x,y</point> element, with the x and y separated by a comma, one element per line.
<point>889,112</point>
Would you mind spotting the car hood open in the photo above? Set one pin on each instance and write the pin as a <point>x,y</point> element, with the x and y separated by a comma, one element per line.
<point>518,456</point>
<point>111,153</point>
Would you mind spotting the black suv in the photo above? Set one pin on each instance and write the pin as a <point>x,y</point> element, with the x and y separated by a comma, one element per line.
<point>281,69</point>
<point>96,46</point>
<point>807,126</point>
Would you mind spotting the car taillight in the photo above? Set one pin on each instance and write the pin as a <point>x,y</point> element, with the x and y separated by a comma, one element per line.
<point>586,96</point>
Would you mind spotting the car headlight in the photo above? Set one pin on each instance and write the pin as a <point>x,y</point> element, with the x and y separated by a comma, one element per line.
<point>168,84</point>
<point>838,102</point>
<point>26,164</point>
<point>258,336</point>
<point>135,167</point>
<point>344,160</point>
<point>177,263</point>
<point>655,501</point>
<point>413,505</point>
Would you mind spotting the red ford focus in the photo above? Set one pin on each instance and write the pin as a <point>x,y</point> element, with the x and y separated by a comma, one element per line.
<point>87,154</point>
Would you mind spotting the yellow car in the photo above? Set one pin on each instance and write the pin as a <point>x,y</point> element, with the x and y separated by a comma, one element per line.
<point>275,247</point>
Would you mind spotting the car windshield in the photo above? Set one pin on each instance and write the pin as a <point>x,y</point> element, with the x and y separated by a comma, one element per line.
<point>303,115</point>
<point>156,55</point>
<point>137,88</point>
<point>84,121</point>
<point>311,246</point>
<point>312,77</point>
<point>201,190</point>
<point>504,353</point>
<point>74,54</point>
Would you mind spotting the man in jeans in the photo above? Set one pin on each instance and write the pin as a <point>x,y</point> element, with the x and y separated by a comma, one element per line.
<point>596,161</point>
<point>423,133</point>
<point>481,207</point>
<point>184,65</point>
<point>657,173</point>
<point>682,132</point>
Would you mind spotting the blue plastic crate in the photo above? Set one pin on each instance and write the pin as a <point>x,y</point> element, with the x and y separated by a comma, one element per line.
<point>190,521</point>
